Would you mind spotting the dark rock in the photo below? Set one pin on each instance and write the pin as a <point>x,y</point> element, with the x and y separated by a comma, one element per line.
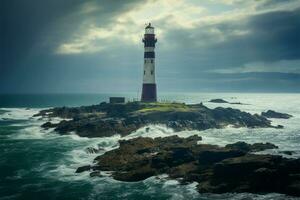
<point>249,173</point>
<point>238,103</point>
<point>218,101</point>
<point>91,150</point>
<point>217,169</point>
<point>287,152</point>
<point>83,168</point>
<point>279,127</point>
<point>138,174</point>
<point>273,114</point>
<point>243,146</point>
<point>208,157</point>
<point>293,189</point>
<point>48,125</point>
<point>223,101</point>
<point>95,174</point>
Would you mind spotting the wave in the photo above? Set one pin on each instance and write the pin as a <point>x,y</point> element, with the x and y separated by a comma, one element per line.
<point>18,113</point>
<point>33,132</point>
<point>77,156</point>
<point>152,131</point>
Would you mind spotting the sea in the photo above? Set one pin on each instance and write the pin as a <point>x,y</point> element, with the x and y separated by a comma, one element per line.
<point>40,164</point>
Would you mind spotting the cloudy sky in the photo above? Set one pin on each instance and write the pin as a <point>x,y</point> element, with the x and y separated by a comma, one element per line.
<point>94,46</point>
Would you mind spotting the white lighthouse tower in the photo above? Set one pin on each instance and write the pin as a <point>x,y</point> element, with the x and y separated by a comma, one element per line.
<point>149,85</point>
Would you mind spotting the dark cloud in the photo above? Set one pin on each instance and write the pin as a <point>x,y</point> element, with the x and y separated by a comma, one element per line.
<point>35,27</point>
<point>267,37</point>
<point>31,31</point>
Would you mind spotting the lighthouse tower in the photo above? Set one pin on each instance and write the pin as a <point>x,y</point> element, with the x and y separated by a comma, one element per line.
<point>149,85</point>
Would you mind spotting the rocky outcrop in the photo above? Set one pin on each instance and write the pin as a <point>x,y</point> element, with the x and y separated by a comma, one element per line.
<point>224,101</point>
<point>273,114</point>
<point>253,173</point>
<point>218,101</point>
<point>105,119</point>
<point>83,168</point>
<point>243,146</point>
<point>232,168</point>
<point>49,125</point>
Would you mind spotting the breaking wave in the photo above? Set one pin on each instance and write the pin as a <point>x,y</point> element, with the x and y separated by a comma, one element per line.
<point>17,113</point>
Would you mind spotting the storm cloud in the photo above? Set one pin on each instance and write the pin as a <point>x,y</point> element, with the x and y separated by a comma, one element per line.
<point>95,46</point>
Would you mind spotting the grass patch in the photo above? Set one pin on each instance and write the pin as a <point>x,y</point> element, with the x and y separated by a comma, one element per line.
<point>164,107</point>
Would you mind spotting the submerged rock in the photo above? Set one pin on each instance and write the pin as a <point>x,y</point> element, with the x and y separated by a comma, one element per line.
<point>83,168</point>
<point>91,150</point>
<point>273,114</point>
<point>289,153</point>
<point>217,169</point>
<point>279,127</point>
<point>48,125</point>
<point>95,174</point>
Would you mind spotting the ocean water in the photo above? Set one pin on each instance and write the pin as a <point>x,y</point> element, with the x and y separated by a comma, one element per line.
<point>40,164</point>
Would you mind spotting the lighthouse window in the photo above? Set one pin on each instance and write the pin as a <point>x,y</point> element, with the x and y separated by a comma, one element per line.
<point>151,71</point>
<point>151,61</point>
<point>144,72</point>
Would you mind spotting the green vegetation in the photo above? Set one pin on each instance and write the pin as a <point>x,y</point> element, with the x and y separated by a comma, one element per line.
<point>163,107</point>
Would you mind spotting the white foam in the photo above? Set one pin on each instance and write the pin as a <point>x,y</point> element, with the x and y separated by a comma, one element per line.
<point>33,132</point>
<point>77,157</point>
<point>32,125</point>
<point>18,113</point>
<point>151,131</point>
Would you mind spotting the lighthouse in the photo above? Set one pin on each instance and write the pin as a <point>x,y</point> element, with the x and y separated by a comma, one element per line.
<point>149,85</point>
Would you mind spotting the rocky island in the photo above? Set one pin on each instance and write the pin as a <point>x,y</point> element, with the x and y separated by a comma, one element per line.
<point>224,101</point>
<point>274,114</point>
<point>107,119</point>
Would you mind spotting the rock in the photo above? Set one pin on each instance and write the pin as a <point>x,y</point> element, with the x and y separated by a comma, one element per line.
<point>218,101</point>
<point>287,152</point>
<point>95,174</point>
<point>83,168</point>
<point>138,174</point>
<point>91,150</point>
<point>243,146</point>
<point>48,125</point>
<point>210,156</point>
<point>223,101</point>
<point>216,169</point>
<point>279,127</point>
<point>249,173</point>
<point>238,119</point>
<point>294,189</point>
<point>238,103</point>
<point>273,114</point>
